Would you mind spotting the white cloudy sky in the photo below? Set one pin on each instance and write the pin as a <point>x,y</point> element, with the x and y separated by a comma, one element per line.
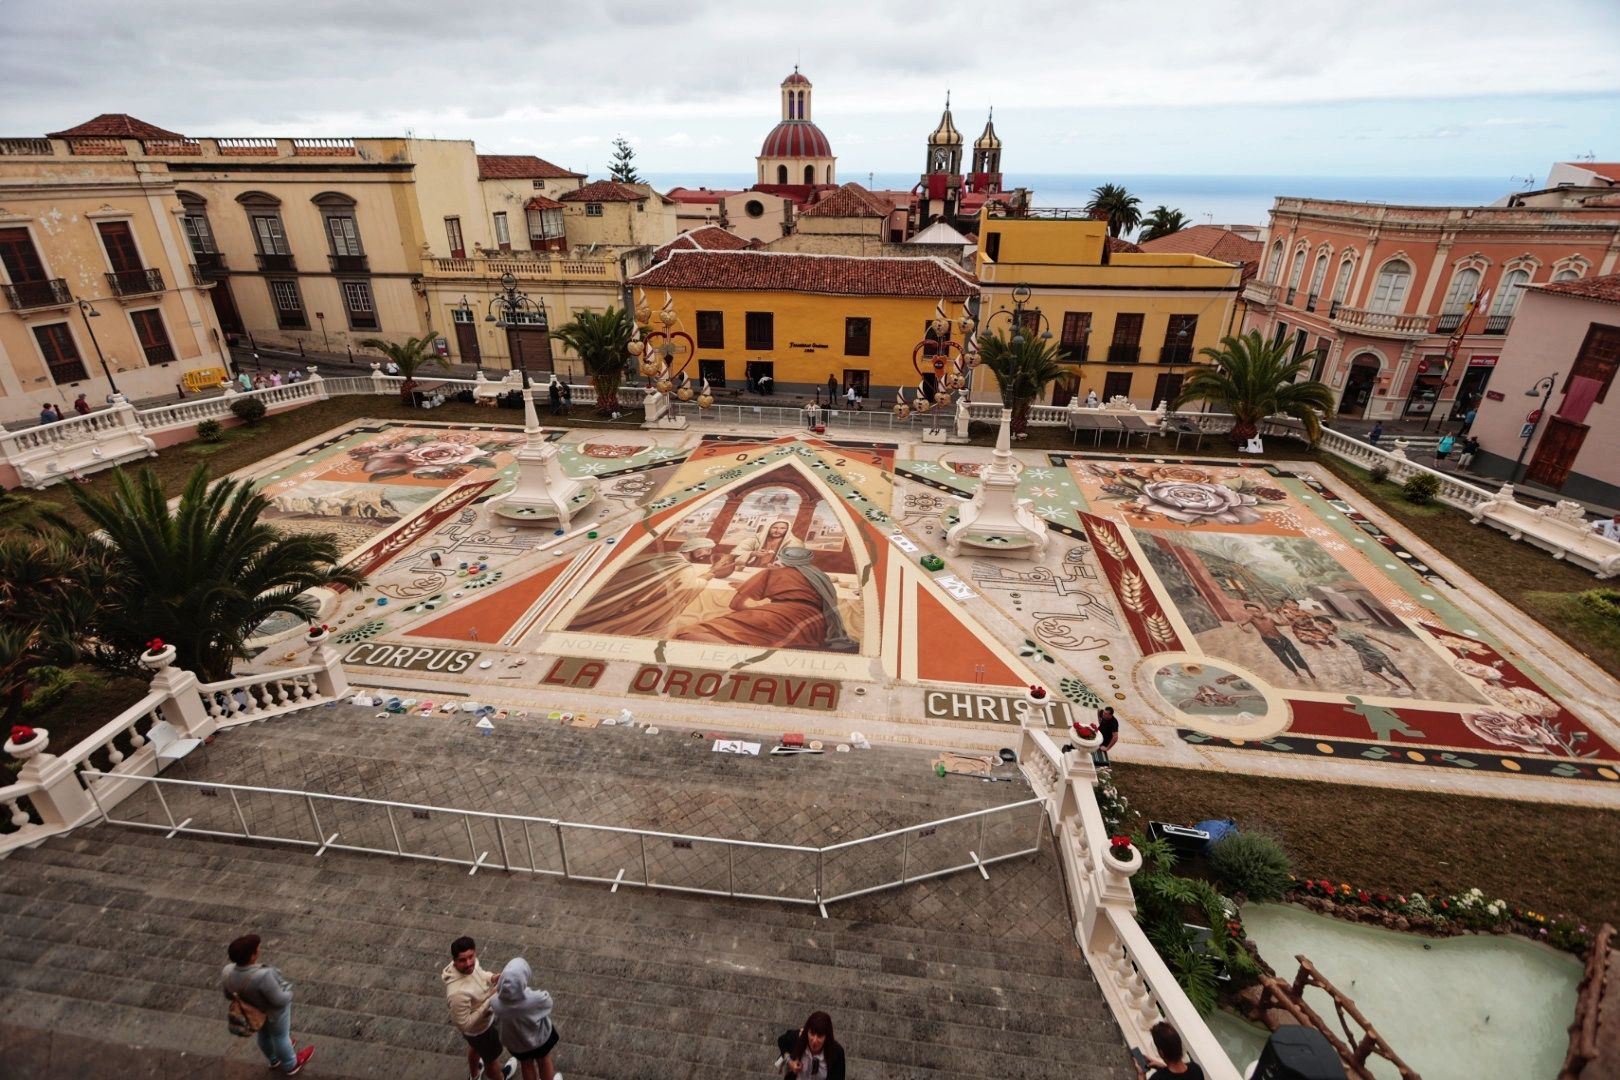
<point>1373,87</point>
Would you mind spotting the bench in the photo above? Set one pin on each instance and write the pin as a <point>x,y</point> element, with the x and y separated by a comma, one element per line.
<point>1561,529</point>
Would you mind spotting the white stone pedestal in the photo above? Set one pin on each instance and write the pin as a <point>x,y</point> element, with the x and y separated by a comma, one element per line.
<point>997,522</point>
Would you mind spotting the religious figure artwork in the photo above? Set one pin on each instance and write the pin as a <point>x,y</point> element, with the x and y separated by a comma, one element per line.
<point>768,562</point>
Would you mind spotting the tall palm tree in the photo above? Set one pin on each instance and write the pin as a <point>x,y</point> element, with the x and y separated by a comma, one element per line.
<point>203,575</point>
<point>601,341</point>
<point>1162,222</point>
<point>1024,366</point>
<point>1120,207</point>
<point>411,357</point>
<point>1253,378</point>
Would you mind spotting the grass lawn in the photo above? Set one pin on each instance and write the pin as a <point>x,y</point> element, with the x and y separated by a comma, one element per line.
<point>1552,859</point>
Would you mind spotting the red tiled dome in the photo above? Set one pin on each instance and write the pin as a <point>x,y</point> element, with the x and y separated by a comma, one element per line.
<point>795,79</point>
<point>796,139</point>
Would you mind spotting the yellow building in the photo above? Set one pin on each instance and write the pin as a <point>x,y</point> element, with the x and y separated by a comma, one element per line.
<point>99,289</point>
<point>1128,322</point>
<point>802,318</point>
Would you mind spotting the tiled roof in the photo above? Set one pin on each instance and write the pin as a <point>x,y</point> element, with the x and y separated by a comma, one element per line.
<point>851,200</point>
<point>1116,245</point>
<point>520,167</point>
<point>540,202</point>
<point>840,275</point>
<point>1605,288</point>
<point>703,238</point>
<point>115,126</point>
<point>701,195</point>
<point>1212,241</point>
<point>603,191</point>
<point>796,139</point>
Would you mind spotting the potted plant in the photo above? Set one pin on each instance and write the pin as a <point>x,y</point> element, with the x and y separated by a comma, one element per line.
<point>26,741</point>
<point>317,633</point>
<point>1037,694</point>
<point>1087,737</point>
<point>1123,858</point>
<point>157,655</point>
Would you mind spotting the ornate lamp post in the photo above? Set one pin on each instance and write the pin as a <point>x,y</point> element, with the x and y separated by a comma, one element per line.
<point>948,363</point>
<point>511,305</point>
<point>88,311</point>
<point>1543,387</point>
<point>1021,296</point>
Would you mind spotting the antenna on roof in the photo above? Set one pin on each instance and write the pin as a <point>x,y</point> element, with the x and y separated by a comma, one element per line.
<point>1588,156</point>
<point>1525,182</point>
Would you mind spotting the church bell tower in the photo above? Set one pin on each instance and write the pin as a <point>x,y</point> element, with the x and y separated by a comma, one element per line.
<point>942,179</point>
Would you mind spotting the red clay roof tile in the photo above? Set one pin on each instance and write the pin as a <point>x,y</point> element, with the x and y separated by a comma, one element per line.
<point>115,126</point>
<point>520,167</point>
<point>1605,288</point>
<point>841,275</point>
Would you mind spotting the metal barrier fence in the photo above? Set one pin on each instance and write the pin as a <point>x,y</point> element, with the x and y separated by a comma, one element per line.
<point>609,854</point>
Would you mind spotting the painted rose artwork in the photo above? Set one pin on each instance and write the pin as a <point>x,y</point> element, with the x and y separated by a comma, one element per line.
<point>448,455</point>
<point>1186,495</point>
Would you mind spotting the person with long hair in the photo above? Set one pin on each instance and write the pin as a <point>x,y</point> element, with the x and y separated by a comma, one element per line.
<point>811,1053</point>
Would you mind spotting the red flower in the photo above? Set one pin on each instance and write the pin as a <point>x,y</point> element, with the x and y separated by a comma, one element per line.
<point>1119,843</point>
<point>1037,691</point>
<point>1364,896</point>
<point>155,645</point>
<point>21,733</point>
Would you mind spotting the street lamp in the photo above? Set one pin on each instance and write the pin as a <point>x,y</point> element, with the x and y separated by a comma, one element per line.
<point>1021,296</point>
<point>511,304</point>
<point>88,311</point>
<point>1544,388</point>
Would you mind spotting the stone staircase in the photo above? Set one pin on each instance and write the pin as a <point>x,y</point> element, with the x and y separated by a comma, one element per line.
<point>114,937</point>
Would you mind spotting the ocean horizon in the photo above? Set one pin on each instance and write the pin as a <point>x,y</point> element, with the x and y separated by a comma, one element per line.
<point>1221,200</point>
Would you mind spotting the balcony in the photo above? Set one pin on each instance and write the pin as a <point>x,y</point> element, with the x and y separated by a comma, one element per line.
<point>1124,354</point>
<point>276,263</point>
<point>1333,308</point>
<point>135,282</point>
<point>160,353</point>
<point>1497,324</point>
<point>1448,322</point>
<point>1073,354</point>
<point>1260,292</point>
<point>1176,354</point>
<point>349,264</point>
<point>210,266</point>
<point>38,294</point>
<point>1381,324</point>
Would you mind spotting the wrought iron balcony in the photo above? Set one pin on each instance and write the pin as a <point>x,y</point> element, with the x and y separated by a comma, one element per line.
<point>135,282</point>
<point>1381,323</point>
<point>1333,308</point>
<point>211,265</point>
<point>1497,324</point>
<point>276,262</point>
<point>1176,354</point>
<point>38,294</point>
<point>1074,354</point>
<point>349,264</point>
<point>160,353</point>
<point>1448,322</point>
<point>1124,354</point>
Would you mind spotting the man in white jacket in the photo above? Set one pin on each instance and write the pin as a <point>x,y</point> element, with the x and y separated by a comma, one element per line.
<point>468,989</point>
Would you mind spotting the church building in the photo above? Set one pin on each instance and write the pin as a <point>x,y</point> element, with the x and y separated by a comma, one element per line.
<point>796,152</point>
<point>945,193</point>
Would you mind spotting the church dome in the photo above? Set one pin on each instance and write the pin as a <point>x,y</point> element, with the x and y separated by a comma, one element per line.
<point>795,79</point>
<point>946,134</point>
<point>989,140</point>
<point>796,139</point>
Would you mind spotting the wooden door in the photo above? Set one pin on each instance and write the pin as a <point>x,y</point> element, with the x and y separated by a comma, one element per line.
<point>1556,453</point>
<point>120,243</point>
<point>1064,387</point>
<point>530,348</point>
<point>467,343</point>
<point>230,320</point>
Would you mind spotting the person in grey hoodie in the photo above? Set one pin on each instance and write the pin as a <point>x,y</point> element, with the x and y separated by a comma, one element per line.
<point>523,1017</point>
<point>267,990</point>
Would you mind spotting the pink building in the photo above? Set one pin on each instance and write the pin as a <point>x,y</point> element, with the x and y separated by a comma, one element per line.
<point>1564,349</point>
<point>1410,305</point>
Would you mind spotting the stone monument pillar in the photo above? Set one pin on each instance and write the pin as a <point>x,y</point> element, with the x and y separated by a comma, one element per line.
<point>543,492</point>
<point>997,521</point>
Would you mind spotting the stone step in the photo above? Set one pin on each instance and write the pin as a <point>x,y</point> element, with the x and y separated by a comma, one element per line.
<point>586,917</point>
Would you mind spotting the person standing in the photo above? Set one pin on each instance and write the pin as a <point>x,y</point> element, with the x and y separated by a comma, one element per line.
<point>1376,433</point>
<point>832,390</point>
<point>811,1053</point>
<point>268,990</point>
<point>46,414</point>
<point>567,399</point>
<point>81,405</point>
<point>1609,530</point>
<point>1442,449</point>
<point>554,392</point>
<point>1107,727</point>
<point>468,989</point>
<point>1470,447</point>
<point>1468,419</point>
<point>1256,620</point>
<point>523,1018</point>
<point>1172,1062</point>
<point>275,378</point>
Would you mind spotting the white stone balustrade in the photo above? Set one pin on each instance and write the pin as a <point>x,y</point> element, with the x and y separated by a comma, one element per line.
<point>51,453</point>
<point>1139,988</point>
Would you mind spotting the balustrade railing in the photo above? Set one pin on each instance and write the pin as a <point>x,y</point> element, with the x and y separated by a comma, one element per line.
<point>1381,323</point>
<point>258,697</point>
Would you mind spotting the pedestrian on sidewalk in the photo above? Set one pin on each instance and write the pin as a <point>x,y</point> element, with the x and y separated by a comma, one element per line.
<point>81,405</point>
<point>852,398</point>
<point>262,987</point>
<point>1108,728</point>
<point>1608,529</point>
<point>811,1053</point>
<point>275,378</point>
<point>832,389</point>
<point>554,392</point>
<point>468,989</point>
<point>1465,457</point>
<point>567,400</point>
<point>1442,449</point>
<point>47,415</point>
<point>1172,1063</point>
<point>523,1018</point>
<point>1376,433</point>
<point>1468,420</point>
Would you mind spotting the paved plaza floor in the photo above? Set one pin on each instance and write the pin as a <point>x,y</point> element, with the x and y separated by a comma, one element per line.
<point>1254,617</point>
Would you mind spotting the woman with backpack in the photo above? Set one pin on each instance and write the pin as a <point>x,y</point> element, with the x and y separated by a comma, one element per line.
<point>811,1053</point>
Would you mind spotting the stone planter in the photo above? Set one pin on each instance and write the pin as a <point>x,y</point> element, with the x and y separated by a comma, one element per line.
<point>29,748</point>
<point>314,639</point>
<point>1044,697</point>
<point>158,660</point>
<point>1123,867</point>
<point>1088,743</point>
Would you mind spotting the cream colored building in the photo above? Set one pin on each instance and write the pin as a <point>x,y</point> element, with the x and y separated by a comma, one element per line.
<point>796,152</point>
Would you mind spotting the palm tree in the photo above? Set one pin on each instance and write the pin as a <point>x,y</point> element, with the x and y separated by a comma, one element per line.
<point>1120,207</point>
<point>48,592</point>
<point>203,575</point>
<point>411,357</point>
<point>601,341</point>
<point>1162,222</point>
<point>1023,366</point>
<point>1253,378</point>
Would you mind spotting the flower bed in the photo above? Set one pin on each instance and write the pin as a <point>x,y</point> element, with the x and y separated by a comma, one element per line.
<point>1439,916</point>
